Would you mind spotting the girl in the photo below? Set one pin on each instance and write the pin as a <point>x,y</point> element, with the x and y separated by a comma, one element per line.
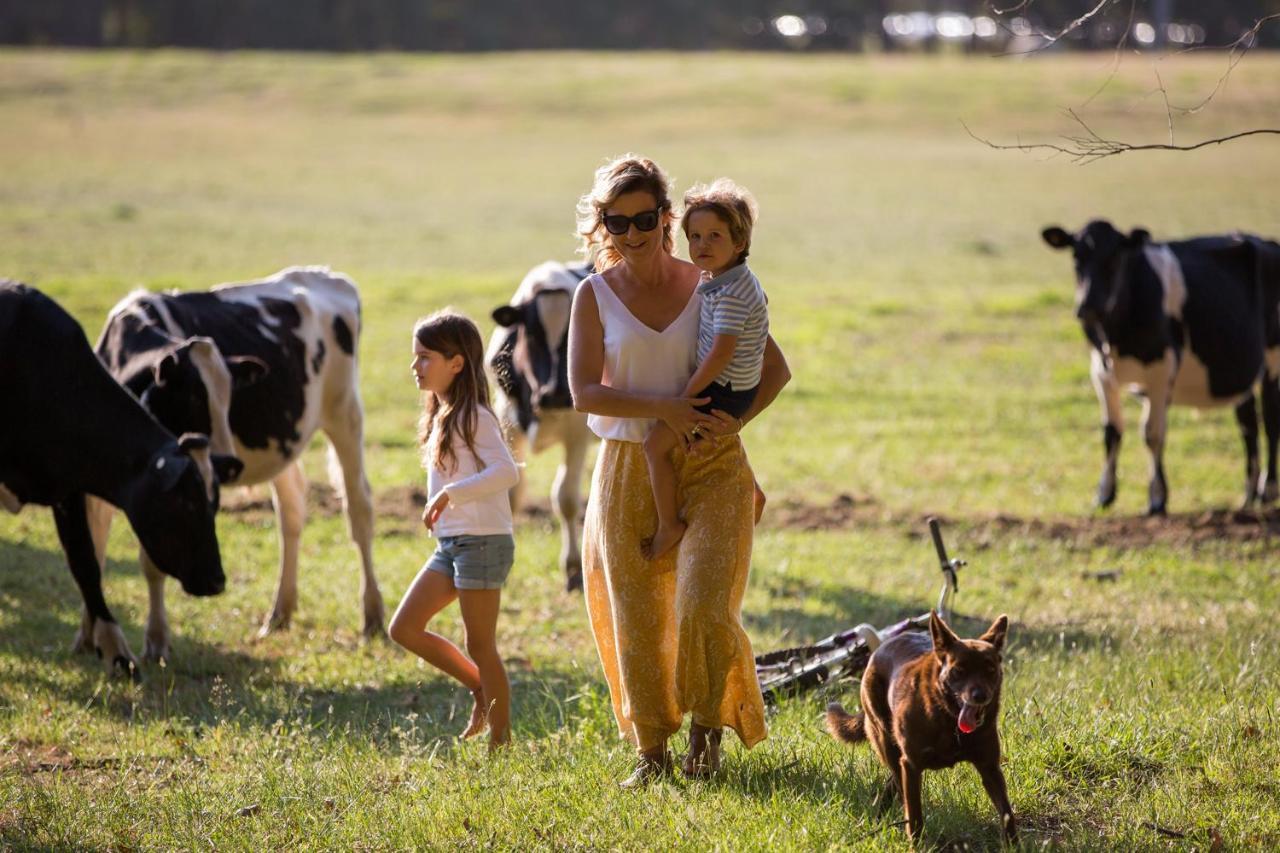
<point>470,471</point>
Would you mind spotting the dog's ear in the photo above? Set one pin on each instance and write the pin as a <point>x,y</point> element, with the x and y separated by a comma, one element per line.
<point>943,637</point>
<point>995,634</point>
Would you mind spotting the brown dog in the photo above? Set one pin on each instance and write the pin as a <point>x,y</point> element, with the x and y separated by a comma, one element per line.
<point>929,704</point>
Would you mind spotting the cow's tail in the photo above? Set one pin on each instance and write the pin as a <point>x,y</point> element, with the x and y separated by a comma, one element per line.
<point>850,728</point>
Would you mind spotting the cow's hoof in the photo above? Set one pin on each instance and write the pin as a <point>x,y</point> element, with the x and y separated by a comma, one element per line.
<point>83,643</point>
<point>1157,511</point>
<point>123,667</point>
<point>1103,501</point>
<point>274,621</point>
<point>109,643</point>
<point>156,650</point>
<point>375,621</point>
<point>573,583</point>
<point>1270,492</point>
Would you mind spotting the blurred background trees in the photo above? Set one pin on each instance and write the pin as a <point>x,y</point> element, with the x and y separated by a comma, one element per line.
<point>453,25</point>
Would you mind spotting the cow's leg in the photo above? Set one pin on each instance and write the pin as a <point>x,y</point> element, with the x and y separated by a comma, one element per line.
<point>72,520</point>
<point>98,514</point>
<point>346,439</point>
<point>289,494</point>
<point>1154,423</point>
<point>566,494</point>
<point>1247,417</point>
<point>1269,487</point>
<point>1109,399</point>
<point>156,639</point>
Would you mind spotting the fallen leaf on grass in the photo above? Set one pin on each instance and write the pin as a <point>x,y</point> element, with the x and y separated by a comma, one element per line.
<point>248,811</point>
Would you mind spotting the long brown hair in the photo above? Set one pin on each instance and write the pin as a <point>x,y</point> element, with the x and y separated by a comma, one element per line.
<point>444,420</point>
<point>625,174</point>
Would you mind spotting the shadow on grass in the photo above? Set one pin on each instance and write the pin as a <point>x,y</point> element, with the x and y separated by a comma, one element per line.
<point>207,683</point>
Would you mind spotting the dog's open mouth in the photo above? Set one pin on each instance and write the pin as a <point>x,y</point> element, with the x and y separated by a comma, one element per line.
<point>970,716</point>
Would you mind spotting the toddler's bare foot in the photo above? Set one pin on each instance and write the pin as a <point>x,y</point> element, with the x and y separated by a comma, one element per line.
<point>479,718</point>
<point>666,538</point>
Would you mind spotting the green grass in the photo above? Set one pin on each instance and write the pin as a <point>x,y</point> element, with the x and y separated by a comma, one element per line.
<point>937,370</point>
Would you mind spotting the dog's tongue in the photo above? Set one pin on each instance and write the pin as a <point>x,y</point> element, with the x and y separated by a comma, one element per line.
<point>970,717</point>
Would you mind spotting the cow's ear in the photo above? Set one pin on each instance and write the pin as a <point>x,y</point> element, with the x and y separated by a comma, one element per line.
<point>1057,237</point>
<point>1139,237</point>
<point>190,441</point>
<point>166,370</point>
<point>246,370</point>
<point>226,468</point>
<point>506,315</point>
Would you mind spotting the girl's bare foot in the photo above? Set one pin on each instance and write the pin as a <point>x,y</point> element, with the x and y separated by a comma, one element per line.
<point>666,538</point>
<point>479,715</point>
<point>499,740</point>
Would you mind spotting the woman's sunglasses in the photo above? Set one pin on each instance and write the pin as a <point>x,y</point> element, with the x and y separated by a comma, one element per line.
<point>646,221</point>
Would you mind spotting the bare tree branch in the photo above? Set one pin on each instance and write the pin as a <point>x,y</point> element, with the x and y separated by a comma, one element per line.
<point>1115,56</point>
<point>1091,147</point>
<point>1238,49</point>
<point>1050,39</point>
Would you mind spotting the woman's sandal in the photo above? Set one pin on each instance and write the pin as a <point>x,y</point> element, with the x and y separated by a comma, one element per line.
<point>652,766</point>
<point>703,759</point>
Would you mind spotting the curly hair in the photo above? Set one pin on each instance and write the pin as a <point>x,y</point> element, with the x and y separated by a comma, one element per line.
<point>625,174</point>
<point>730,202</point>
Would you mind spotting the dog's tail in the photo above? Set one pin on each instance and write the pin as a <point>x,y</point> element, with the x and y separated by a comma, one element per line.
<point>850,728</point>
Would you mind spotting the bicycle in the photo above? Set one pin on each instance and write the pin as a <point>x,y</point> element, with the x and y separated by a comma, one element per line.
<point>845,655</point>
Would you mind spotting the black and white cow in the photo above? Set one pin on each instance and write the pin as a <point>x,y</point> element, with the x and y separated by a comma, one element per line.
<point>528,355</point>
<point>260,366</point>
<point>1194,322</point>
<point>70,431</point>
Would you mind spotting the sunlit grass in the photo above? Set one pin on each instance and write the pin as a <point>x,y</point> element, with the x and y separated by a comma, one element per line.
<point>937,370</point>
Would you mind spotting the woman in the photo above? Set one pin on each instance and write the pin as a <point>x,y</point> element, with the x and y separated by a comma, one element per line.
<point>669,632</point>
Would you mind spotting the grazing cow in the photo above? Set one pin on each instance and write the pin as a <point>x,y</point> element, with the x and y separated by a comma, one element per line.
<point>1194,322</point>
<point>261,366</point>
<point>71,431</point>
<point>528,355</point>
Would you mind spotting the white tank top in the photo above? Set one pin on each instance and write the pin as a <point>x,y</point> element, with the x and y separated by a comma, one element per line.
<point>640,359</point>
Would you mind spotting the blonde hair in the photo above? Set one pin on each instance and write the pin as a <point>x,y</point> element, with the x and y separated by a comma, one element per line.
<point>730,202</point>
<point>444,420</point>
<point>626,174</point>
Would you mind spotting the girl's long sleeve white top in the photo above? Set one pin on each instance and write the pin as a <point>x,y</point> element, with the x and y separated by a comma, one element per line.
<point>478,485</point>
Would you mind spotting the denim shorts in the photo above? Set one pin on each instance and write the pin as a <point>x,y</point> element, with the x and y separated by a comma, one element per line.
<point>474,562</point>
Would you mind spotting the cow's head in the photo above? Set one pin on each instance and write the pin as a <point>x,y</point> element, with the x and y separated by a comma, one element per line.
<point>540,354</point>
<point>191,393</point>
<point>169,508</point>
<point>1101,260</point>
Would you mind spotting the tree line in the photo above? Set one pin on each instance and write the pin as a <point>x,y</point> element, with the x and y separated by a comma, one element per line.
<point>484,25</point>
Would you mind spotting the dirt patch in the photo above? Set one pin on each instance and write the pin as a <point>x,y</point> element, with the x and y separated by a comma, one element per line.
<point>29,758</point>
<point>847,512</point>
<point>851,512</point>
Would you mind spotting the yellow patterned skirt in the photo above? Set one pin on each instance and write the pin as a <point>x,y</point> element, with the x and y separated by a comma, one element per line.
<point>670,632</point>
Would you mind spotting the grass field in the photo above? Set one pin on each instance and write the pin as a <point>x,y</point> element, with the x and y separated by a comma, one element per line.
<point>937,371</point>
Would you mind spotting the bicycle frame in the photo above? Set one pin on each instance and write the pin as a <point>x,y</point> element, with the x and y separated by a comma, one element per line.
<point>846,654</point>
